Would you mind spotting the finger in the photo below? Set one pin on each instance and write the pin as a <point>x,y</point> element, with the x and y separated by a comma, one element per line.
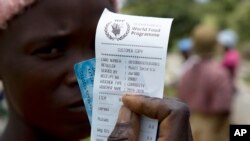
<point>124,115</point>
<point>127,127</point>
<point>152,107</point>
<point>175,126</point>
<point>172,114</point>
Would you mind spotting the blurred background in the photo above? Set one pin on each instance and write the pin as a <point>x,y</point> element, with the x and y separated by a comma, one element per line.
<point>222,15</point>
<point>231,20</point>
<point>188,13</point>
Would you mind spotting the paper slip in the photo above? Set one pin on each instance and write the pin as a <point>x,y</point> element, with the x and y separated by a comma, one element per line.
<point>85,72</point>
<point>130,57</point>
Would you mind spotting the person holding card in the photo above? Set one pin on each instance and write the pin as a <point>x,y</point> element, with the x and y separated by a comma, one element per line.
<point>40,41</point>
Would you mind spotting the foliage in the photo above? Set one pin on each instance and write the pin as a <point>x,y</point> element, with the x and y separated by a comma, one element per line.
<point>240,19</point>
<point>183,19</point>
<point>188,13</point>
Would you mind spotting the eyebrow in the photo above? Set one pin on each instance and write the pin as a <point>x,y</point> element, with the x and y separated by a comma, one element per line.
<point>51,36</point>
<point>48,38</point>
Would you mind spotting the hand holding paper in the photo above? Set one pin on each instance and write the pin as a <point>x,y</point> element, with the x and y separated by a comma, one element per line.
<point>130,58</point>
<point>172,114</point>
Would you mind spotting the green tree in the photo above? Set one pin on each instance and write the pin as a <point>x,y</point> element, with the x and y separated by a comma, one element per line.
<point>240,20</point>
<point>188,13</point>
<point>180,11</point>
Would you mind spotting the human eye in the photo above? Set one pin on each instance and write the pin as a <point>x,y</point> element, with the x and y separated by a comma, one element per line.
<point>50,50</point>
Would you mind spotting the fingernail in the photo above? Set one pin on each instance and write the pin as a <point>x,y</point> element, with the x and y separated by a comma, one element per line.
<point>124,115</point>
<point>125,98</point>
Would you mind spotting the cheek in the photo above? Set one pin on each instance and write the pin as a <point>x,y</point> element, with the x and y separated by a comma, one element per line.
<point>29,89</point>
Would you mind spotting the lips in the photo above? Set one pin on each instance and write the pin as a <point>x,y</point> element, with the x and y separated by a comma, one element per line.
<point>76,104</point>
<point>76,113</point>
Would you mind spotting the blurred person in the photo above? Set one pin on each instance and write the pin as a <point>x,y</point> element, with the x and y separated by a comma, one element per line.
<point>206,88</point>
<point>231,59</point>
<point>186,49</point>
<point>185,46</point>
<point>40,41</point>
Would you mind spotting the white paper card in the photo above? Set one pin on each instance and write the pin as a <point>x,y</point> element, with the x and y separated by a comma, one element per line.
<point>130,57</point>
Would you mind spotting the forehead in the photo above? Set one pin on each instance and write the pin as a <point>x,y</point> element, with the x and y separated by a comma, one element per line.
<point>62,10</point>
<point>48,16</point>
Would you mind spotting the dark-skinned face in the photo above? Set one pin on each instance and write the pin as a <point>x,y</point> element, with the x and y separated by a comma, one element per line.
<point>38,52</point>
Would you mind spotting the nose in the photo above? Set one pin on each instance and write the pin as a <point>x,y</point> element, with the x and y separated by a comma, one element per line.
<point>71,79</point>
<point>76,54</point>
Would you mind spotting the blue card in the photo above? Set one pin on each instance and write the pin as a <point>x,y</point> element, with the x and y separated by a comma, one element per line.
<point>85,72</point>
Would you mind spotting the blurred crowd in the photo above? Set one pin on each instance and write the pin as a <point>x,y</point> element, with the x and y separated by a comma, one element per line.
<point>206,82</point>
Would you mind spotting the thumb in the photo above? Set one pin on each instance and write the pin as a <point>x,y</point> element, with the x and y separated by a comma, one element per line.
<point>127,126</point>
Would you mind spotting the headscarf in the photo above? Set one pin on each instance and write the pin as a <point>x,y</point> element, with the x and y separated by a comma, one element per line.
<point>228,38</point>
<point>10,8</point>
<point>204,39</point>
<point>185,44</point>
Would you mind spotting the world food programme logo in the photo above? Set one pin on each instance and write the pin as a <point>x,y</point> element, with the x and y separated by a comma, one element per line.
<point>117,30</point>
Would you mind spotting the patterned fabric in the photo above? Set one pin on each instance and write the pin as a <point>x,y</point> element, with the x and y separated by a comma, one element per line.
<point>9,8</point>
<point>206,88</point>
